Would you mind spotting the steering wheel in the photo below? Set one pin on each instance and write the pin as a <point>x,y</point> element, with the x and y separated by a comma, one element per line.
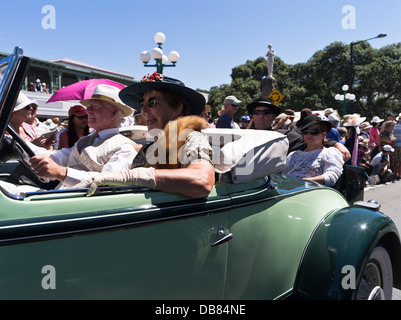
<point>14,147</point>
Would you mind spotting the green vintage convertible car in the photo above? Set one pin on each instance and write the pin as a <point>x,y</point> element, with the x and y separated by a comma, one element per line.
<point>269,237</point>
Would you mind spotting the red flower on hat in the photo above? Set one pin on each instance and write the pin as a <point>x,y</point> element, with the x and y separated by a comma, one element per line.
<point>153,77</point>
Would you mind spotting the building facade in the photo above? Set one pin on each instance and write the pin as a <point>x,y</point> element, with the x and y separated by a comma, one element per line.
<point>60,73</point>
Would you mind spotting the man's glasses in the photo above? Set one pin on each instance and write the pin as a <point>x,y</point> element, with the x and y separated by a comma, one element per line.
<point>264,112</point>
<point>151,102</point>
<point>313,132</point>
<point>85,116</point>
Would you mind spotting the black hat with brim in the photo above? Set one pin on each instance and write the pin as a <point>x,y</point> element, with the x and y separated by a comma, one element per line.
<point>315,119</point>
<point>131,94</point>
<point>263,102</point>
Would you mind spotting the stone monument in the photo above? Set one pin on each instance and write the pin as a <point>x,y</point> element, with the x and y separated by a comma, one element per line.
<point>269,83</point>
<point>270,61</point>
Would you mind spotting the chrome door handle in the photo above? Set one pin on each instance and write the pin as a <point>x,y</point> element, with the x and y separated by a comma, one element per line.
<point>222,237</point>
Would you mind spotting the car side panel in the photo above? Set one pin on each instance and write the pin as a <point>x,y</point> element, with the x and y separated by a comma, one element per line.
<point>340,249</point>
<point>154,250</point>
<point>270,236</point>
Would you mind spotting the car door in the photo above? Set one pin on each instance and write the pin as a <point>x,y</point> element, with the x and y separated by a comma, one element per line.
<point>135,245</point>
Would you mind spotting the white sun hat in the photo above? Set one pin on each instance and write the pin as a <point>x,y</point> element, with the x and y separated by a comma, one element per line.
<point>23,101</point>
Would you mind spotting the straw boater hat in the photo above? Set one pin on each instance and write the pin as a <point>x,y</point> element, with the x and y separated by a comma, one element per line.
<point>346,117</point>
<point>23,101</point>
<point>365,125</point>
<point>328,111</point>
<point>283,115</point>
<point>131,94</point>
<point>290,113</point>
<point>109,94</point>
<point>354,120</point>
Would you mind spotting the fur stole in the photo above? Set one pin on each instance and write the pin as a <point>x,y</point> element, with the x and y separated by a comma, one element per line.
<point>173,137</point>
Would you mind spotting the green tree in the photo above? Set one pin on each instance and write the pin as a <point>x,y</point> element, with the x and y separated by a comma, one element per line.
<point>379,82</point>
<point>313,84</point>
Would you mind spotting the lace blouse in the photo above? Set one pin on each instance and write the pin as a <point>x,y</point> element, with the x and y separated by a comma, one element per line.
<point>305,164</point>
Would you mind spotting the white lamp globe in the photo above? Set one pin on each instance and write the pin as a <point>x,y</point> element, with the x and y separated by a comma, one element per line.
<point>159,38</point>
<point>164,59</point>
<point>174,56</point>
<point>345,87</point>
<point>145,56</point>
<point>157,53</point>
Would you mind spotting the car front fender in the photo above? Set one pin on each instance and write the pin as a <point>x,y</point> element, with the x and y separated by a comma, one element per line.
<point>340,248</point>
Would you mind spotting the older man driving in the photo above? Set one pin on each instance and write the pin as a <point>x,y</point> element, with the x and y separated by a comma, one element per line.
<point>103,151</point>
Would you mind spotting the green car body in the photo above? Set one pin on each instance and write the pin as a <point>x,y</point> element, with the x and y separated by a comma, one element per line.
<point>269,238</point>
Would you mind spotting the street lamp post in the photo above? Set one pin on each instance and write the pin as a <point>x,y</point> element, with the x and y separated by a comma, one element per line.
<point>351,77</point>
<point>157,54</point>
<point>345,97</point>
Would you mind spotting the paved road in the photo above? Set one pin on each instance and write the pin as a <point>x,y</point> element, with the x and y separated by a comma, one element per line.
<point>388,196</point>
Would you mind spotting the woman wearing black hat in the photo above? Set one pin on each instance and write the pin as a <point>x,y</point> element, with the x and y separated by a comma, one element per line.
<point>316,163</point>
<point>161,100</point>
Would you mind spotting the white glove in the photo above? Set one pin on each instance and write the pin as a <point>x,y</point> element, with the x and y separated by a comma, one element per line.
<point>143,177</point>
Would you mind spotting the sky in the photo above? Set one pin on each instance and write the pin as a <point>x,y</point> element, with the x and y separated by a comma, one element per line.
<point>211,36</point>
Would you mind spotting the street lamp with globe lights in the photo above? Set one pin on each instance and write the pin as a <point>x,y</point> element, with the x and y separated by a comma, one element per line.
<point>352,44</point>
<point>346,97</point>
<point>158,55</point>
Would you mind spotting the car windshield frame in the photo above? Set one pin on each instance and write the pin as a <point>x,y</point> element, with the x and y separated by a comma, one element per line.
<point>13,70</point>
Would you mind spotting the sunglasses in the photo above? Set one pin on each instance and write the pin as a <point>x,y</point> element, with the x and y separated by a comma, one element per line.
<point>265,112</point>
<point>151,102</point>
<point>313,132</point>
<point>31,106</point>
<point>85,116</point>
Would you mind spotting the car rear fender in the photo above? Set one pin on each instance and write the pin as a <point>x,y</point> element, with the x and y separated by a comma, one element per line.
<point>338,251</point>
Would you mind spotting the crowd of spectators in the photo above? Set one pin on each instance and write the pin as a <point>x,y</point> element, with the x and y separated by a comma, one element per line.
<point>373,143</point>
<point>38,86</point>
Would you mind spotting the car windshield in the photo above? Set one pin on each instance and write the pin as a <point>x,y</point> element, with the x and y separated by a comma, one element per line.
<point>8,66</point>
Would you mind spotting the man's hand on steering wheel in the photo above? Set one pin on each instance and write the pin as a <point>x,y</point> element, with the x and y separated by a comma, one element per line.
<point>45,167</point>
